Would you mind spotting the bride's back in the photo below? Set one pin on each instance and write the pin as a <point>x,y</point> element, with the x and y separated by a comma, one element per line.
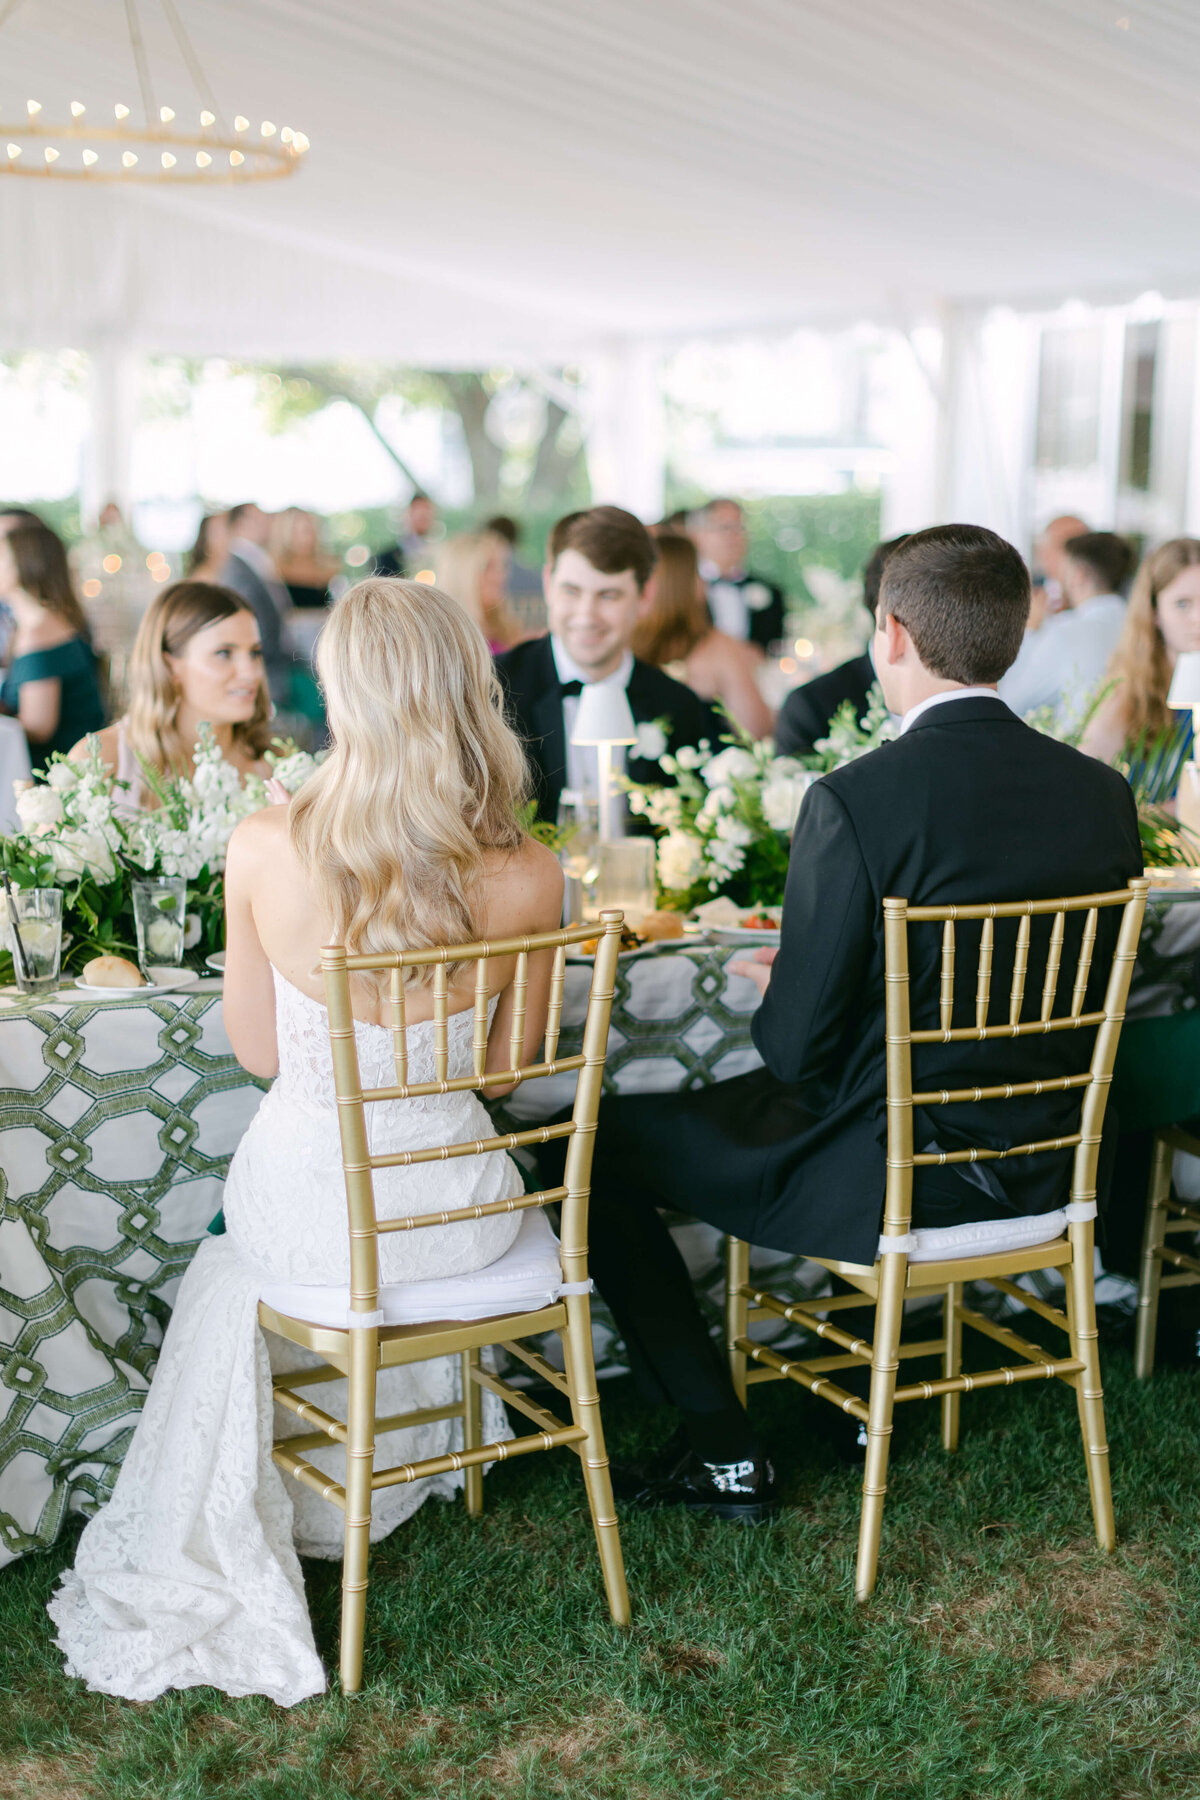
<point>408,836</point>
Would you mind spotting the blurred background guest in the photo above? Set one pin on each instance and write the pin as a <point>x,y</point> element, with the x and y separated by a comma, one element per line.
<point>1162,622</point>
<point>305,566</point>
<point>473,568</point>
<point>742,605</point>
<point>676,634</point>
<point>808,711</point>
<point>1062,665</point>
<point>250,571</point>
<point>11,515</point>
<point>413,550</point>
<point>524,579</point>
<point>1048,595</point>
<point>210,552</point>
<point>197,658</point>
<point>52,685</point>
<point>116,585</point>
<point>673,525</point>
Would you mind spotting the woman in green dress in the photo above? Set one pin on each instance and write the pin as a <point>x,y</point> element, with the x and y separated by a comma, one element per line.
<point>52,684</point>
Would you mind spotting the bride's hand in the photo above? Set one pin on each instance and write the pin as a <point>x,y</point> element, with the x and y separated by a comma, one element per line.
<point>756,967</point>
<point>277,794</point>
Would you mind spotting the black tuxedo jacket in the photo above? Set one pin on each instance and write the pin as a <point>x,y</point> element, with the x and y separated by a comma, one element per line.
<point>970,805</point>
<point>535,712</point>
<point>766,625</point>
<point>807,713</point>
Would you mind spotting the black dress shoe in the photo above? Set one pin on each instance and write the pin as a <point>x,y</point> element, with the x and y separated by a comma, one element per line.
<point>741,1492</point>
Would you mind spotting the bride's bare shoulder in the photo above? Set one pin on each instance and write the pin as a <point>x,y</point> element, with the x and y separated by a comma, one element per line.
<point>525,887</point>
<point>260,835</point>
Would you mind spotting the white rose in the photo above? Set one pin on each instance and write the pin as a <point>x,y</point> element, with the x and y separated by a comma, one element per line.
<point>63,776</point>
<point>78,853</point>
<point>731,765</point>
<point>39,810</point>
<point>679,860</point>
<point>781,799</point>
<point>651,741</point>
<point>687,757</point>
<point>734,831</point>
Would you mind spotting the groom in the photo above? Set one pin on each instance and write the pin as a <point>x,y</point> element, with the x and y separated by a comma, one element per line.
<point>967,804</point>
<point>598,563</point>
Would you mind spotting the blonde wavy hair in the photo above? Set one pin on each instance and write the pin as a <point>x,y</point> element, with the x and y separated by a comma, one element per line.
<point>172,620</point>
<point>460,563</point>
<point>424,776</point>
<point>1140,661</point>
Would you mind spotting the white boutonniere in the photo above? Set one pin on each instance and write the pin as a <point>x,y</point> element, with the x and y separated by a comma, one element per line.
<point>757,595</point>
<point>651,740</point>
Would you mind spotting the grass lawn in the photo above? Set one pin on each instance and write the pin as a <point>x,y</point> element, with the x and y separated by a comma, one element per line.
<point>1003,1658</point>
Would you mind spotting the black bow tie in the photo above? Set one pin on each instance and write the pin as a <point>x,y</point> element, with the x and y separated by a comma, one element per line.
<point>567,688</point>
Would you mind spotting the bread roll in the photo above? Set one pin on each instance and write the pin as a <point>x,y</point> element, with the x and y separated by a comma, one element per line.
<point>658,925</point>
<point>113,972</point>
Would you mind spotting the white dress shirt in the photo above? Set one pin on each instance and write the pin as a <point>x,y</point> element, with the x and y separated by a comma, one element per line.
<point>583,760</point>
<point>932,700</point>
<point>1063,664</point>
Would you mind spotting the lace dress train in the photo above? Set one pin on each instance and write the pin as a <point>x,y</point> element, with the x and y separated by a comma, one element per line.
<point>190,1576</point>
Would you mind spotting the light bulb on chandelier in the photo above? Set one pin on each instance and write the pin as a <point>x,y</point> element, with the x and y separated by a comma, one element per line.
<point>152,149</point>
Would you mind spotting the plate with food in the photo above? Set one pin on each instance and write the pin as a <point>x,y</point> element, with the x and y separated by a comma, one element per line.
<point>724,923</point>
<point>116,978</point>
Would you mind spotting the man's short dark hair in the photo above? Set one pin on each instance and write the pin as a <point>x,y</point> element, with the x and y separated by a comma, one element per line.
<point>1107,556</point>
<point>237,513</point>
<point>610,538</point>
<point>501,525</point>
<point>872,573</point>
<point>962,593</point>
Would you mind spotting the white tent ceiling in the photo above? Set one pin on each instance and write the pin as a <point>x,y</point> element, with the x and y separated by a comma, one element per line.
<point>505,179</point>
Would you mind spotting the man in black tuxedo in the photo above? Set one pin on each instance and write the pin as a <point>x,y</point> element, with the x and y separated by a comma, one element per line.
<point>808,712</point>
<point>742,604</point>
<point>967,804</point>
<point>597,565</point>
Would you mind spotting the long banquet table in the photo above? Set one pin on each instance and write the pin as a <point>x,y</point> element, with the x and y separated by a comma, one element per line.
<point>119,1118</point>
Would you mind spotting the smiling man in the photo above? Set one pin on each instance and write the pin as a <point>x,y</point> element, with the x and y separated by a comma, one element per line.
<point>597,565</point>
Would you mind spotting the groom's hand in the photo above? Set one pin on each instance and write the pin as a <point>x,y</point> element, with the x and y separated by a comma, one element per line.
<point>756,967</point>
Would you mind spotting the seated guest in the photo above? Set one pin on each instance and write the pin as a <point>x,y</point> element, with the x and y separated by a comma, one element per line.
<point>1162,622</point>
<point>250,571</point>
<point>1062,665</point>
<point>210,552</point>
<point>189,1575</point>
<point>808,711</point>
<point>305,567</point>
<point>1048,558</point>
<point>52,684</point>
<point>411,552</point>
<point>197,659</point>
<point>967,804</point>
<point>472,567</point>
<point>742,605</point>
<point>597,565</point>
<point>677,635</point>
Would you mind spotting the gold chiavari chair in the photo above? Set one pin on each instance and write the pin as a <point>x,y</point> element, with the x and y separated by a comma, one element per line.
<point>367,1344</point>
<point>1165,1217</point>
<point>897,1275</point>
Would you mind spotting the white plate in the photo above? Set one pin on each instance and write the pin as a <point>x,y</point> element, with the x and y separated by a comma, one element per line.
<point>743,934</point>
<point>166,980</point>
<point>216,961</point>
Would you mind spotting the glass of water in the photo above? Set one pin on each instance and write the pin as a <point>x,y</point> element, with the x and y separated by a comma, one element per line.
<point>159,905</point>
<point>579,826</point>
<point>38,926</point>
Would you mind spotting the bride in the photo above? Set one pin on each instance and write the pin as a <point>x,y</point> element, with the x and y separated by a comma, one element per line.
<point>406,836</point>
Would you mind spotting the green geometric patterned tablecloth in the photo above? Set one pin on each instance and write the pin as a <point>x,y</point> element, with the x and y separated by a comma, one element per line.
<point>117,1123</point>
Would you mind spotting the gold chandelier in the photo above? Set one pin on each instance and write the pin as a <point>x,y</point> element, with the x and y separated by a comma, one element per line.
<point>161,149</point>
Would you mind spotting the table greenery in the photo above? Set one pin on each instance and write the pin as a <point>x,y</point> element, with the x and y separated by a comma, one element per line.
<point>78,832</point>
<point>724,827</point>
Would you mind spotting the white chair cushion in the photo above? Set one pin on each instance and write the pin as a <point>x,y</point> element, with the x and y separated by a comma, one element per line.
<point>989,1237</point>
<point>526,1277</point>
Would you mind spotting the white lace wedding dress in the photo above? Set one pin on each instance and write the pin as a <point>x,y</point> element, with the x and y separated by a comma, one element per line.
<point>189,1575</point>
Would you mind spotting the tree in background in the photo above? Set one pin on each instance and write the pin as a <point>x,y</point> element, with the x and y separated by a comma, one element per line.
<point>520,431</point>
